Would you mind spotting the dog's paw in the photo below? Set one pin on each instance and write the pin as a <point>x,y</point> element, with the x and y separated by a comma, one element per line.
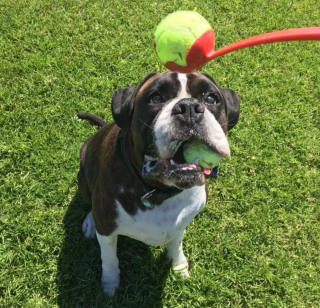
<point>181,268</point>
<point>180,265</point>
<point>110,290</point>
<point>184,273</point>
<point>110,282</point>
<point>89,227</point>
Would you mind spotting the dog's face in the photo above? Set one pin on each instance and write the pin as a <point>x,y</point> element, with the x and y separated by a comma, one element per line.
<point>166,110</point>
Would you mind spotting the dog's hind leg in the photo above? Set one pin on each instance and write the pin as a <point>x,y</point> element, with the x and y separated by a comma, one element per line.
<point>88,226</point>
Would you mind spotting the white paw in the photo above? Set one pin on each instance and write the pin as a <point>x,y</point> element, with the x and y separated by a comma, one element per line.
<point>184,273</point>
<point>89,227</point>
<point>110,290</point>
<point>110,282</point>
<point>180,266</point>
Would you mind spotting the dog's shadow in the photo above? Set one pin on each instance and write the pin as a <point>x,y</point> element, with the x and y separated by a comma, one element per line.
<point>142,275</point>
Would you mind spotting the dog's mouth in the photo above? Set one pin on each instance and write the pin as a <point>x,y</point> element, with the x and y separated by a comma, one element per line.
<point>175,171</point>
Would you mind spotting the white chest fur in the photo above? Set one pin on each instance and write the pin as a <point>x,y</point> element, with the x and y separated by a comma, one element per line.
<point>160,225</point>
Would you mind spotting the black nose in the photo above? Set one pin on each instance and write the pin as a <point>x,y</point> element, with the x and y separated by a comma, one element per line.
<point>190,110</point>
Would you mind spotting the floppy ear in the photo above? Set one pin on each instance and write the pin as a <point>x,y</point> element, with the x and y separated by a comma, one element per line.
<point>232,107</point>
<point>122,106</point>
<point>122,103</point>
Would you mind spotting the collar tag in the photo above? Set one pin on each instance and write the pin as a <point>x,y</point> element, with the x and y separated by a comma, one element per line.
<point>144,199</point>
<point>147,203</point>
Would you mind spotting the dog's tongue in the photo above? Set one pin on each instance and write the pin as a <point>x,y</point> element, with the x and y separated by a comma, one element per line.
<point>206,171</point>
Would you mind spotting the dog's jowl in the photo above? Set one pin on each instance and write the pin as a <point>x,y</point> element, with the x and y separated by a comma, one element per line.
<point>133,174</point>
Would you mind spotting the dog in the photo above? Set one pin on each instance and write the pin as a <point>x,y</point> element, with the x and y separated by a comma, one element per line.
<point>133,174</point>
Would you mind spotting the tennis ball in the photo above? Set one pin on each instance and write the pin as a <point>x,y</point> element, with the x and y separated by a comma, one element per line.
<point>197,150</point>
<point>182,41</point>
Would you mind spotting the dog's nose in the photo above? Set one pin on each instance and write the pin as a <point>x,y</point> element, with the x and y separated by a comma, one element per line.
<point>189,109</point>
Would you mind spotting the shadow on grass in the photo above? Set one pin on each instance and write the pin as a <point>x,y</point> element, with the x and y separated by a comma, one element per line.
<point>79,269</point>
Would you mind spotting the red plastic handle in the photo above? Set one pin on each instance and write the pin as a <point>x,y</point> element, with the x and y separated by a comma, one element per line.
<point>297,34</point>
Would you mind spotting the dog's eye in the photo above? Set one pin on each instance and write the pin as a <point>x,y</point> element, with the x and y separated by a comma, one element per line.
<point>212,99</point>
<point>156,99</point>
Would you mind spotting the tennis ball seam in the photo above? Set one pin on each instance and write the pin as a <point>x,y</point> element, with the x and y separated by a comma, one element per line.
<point>175,27</point>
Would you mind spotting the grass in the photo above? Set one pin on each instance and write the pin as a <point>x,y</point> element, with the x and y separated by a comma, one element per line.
<point>256,244</point>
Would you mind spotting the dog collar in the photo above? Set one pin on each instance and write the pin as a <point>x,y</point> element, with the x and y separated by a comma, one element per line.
<point>154,196</point>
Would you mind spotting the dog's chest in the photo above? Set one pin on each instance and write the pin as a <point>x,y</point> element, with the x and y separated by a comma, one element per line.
<point>160,225</point>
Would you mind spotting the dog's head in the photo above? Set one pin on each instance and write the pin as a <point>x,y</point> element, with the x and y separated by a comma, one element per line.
<point>166,110</point>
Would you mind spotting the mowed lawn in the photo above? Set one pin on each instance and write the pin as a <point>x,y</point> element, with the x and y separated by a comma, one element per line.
<point>257,242</point>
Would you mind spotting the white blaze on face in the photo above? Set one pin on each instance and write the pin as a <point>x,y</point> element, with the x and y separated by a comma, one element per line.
<point>162,129</point>
<point>183,86</point>
<point>164,138</point>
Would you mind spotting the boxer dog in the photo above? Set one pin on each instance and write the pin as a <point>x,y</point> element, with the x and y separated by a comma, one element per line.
<point>133,174</point>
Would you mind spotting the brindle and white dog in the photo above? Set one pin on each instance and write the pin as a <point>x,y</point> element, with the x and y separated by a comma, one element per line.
<point>133,174</point>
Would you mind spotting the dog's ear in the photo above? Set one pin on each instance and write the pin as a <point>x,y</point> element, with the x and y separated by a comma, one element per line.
<point>122,106</point>
<point>232,107</point>
<point>122,103</point>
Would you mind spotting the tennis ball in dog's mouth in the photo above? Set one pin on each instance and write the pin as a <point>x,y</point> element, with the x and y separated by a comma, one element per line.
<point>197,151</point>
<point>182,40</point>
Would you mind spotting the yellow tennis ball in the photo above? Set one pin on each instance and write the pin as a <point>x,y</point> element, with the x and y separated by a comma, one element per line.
<point>196,150</point>
<point>176,34</point>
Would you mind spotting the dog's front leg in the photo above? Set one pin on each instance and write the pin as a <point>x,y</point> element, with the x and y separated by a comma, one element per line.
<point>110,264</point>
<point>175,252</point>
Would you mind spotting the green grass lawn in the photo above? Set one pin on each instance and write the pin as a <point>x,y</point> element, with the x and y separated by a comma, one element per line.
<point>256,244</point>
